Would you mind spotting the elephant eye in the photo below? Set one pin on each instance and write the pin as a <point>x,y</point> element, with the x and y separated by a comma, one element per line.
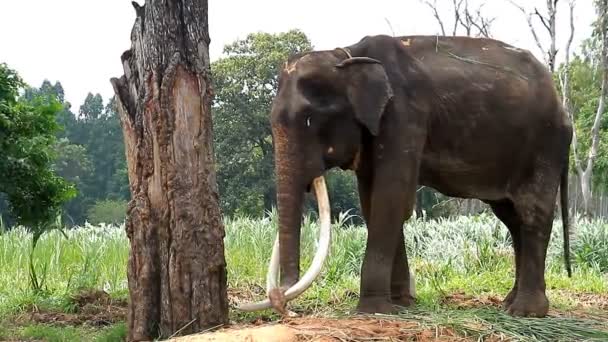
<point>308,121</point>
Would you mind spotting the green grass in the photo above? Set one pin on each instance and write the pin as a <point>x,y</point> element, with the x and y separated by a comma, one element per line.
<point>469,254</point>
<point>473,254</point>
<point>114,333</point>
<point>52,333</point>
<point>483,322</point>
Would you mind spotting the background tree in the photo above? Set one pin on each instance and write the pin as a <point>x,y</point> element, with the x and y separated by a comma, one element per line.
<point>100,133</point>
<point>27,136</point>
<point>177,269</point>
<point>585,172</point>
<point>579,111</point>
<point>548,19</point>
<point>90,145</point>
<point>245,83</point>
<point>32,192</point>
<point>74,165</point>
<point>460,20</point>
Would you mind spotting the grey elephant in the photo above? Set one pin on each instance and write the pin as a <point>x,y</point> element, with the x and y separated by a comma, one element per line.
<point>470,117</point>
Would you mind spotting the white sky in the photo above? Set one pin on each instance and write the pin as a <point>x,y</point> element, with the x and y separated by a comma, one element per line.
<point>79,42</point>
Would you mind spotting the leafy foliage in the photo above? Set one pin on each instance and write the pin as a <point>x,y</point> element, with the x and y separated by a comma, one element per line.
<point>108,211</point>
<point>245,83</point>
<point>98,130</point>
<point>471,254</point>
<point>585,80</point>
<point>89,150</point>
<point>35,193</point>
<point>74,165</point>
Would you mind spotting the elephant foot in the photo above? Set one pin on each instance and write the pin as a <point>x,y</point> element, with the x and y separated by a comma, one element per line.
<point>403,300</point>
<point>529,305</point>
<point>509,299</point>
<point>372,305</point>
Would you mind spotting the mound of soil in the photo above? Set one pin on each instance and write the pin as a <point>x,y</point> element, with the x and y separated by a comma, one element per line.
<point>92,308</point>
<point>328,330</point>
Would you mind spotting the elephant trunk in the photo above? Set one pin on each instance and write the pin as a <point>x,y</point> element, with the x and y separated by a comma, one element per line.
<point>286,250</point>
<point>290,198</point>
<point>277,299</point>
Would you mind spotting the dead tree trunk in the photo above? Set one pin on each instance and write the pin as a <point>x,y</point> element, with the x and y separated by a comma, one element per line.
<point>177,270</point>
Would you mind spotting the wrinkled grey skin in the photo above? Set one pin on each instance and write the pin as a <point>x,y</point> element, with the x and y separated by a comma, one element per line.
<point>472,118</point>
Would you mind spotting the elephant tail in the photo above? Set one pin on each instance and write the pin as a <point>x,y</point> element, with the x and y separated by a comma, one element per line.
<point>563,190</point>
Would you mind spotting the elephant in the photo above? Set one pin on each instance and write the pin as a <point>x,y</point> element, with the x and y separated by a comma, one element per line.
<point>468,117</point>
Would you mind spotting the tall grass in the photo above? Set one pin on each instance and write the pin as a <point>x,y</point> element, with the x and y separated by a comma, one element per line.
<point>84,258</point>
<point>472,253</point>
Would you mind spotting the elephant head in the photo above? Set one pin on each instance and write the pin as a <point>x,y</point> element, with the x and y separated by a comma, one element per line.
<point>327,102</point>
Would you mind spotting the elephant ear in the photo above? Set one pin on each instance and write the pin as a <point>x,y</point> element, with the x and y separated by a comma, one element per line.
<point>368,90</point>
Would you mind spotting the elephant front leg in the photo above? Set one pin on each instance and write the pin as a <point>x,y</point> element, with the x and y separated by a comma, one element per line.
<point>375,288</point>
<point>385,243</point>
<point>401,277</point>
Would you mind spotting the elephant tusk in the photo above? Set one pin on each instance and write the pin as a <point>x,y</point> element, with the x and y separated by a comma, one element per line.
<point>272,277</point>
<point>324,240</point>
<point>317,263</point>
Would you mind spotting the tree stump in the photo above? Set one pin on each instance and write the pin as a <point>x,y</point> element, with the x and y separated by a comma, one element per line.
<point>176,268</point>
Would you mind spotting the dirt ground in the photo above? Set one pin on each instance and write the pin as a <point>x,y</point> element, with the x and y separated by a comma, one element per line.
<point>98,309</point>
<point>322,329</point>
<point>328,330</point>
<point>95,309</point>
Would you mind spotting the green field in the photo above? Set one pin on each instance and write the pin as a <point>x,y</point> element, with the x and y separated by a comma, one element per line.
<point>463,267</point>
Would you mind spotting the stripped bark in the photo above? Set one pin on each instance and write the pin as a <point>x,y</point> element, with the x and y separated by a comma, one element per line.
<point>176,268</point>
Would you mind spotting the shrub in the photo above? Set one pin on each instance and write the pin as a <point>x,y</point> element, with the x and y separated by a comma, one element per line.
<point>107,211</point>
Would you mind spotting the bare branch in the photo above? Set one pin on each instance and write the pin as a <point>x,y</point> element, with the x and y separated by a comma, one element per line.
<point>532,30</point>
<point>571,38</point>
<point>470,20</point>
<point>463,17</point>
<point>564,78</point>
<point>466,23</point>
<point>565,85</point>
<point>457,4</point>
<point>537,40</point>
<point>433,7</point>
<point>482,24</point>
<point>523,10</point>
<point>390,26</point>
<point>543,20</point>
<point>552,33</point>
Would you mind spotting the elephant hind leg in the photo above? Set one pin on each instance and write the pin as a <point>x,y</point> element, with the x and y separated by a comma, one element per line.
<point>505,211</point>
<point>534,204</point>
<point>535,232</point>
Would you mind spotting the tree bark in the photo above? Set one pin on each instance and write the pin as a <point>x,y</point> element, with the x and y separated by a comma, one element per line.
<point>176,268</point>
